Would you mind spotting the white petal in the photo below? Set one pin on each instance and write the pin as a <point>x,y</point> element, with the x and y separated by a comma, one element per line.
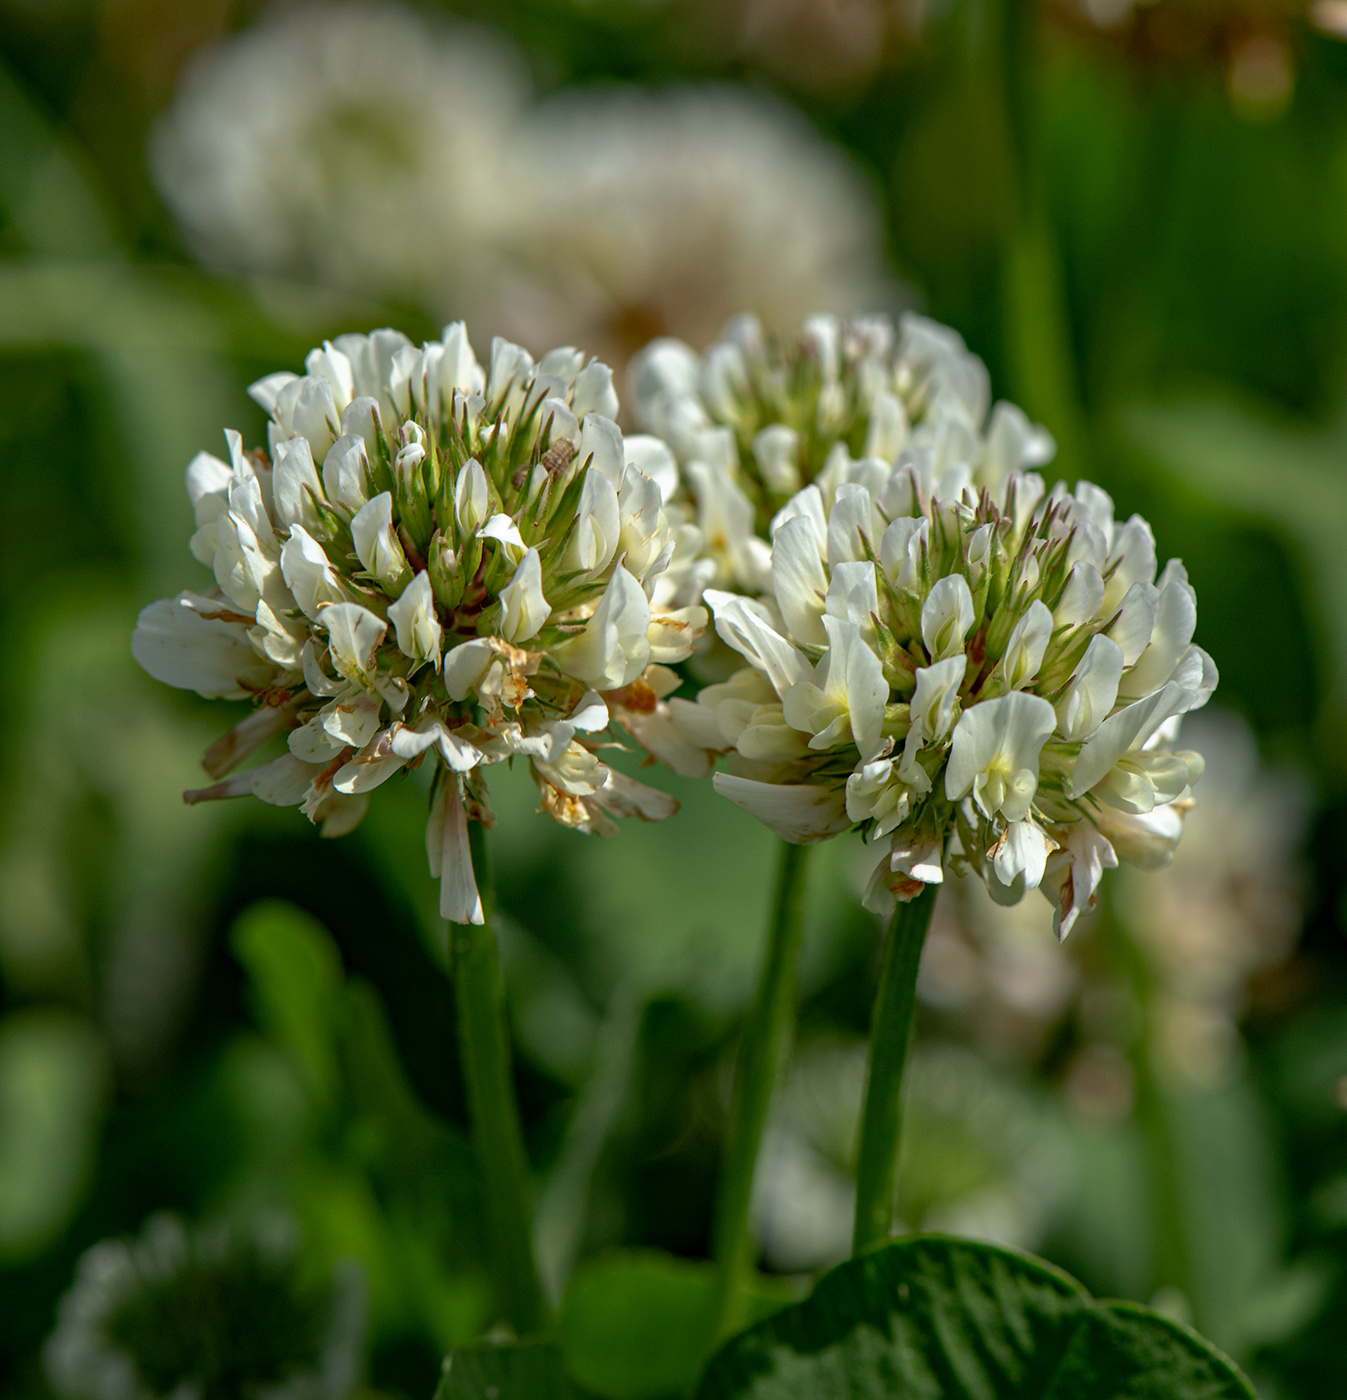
<point>472,498</point>
<point>598,523</point>
<point>451,858</point>
<point>624,797</point>
<point>1128,729</point>
<point>1082,597</point>
<point>295,485</point>
<point>1074,872</point>
<point>614,648</point>
<point>799,813</point>
<point>465,665</point>
<point>199,644</point>
<point>376,544</point>
<point>354,637</point>
<point>996,749</point>
<point>309,573</point>
<point>799,582</point>
<point>600,446</point>
<point>1092,690</point>
<point>1175,622</point>
<point>1024,650</point>
<point>418,628</point>
<point>346,473</point>
<point>946,616</point>
<point>900,548</point>
<point>1132,628</point>
<point>283,782</point>
<point>1021,852</point>
<point>652,457</point>
<point>853,594</point>
<point>862,679</point>
<point>1133,558</point>
<point>524,610</point>
<point>745,626</point>
<point>850,522</point>
<point>502,528</point>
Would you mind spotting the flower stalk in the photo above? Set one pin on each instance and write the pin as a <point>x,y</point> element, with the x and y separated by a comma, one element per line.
<point>890,1035</point>
<point>761,1055</point>
<point>496,1133</point>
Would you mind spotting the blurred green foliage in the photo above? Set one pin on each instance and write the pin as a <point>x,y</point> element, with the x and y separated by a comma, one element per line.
<point>212,1011</point>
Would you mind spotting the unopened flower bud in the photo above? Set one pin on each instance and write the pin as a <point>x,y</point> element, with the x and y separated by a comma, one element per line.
<point>446,578</point>
<point>412,497</point>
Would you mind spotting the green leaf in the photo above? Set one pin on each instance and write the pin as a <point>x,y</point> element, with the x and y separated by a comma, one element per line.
<point>637,1323</point>
<point>523,1371</point>
<point>53,1088</point>
<point>934,1319</point>
<point>296,977</point>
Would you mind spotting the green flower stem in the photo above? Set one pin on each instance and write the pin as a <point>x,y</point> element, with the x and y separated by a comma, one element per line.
<point>760,1057</point>
<point>496,1133</point>
<point>890,1032</point>
<point>1155,1109</point>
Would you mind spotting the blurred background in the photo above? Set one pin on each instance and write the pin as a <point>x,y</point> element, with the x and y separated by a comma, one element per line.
<point>1135,212</point>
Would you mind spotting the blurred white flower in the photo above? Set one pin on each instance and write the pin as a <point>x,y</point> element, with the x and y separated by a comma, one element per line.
<point>353,144</point>
<point>443,618</point>
<point>1227,907</point>
<point>825,46</point>
<point>185,1311</point>
<point>980,1157</point>
<point>643,213</point>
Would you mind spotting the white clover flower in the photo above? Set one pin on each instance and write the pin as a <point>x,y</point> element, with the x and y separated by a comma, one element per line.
<point>440,590</point>
<point>644,213</point>
<point>354,144</point>
<point>160,1316</point>
<point>838,404</point>
<point>966,667</point>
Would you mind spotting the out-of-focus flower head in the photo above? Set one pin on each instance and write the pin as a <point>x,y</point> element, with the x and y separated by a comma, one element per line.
<point>222,1310</point>
<point>353,144</point>
<point>433,561</point>
<point>637,213</point>
<point>989,674</point>
<point>823,46</point>
<point>1224,912</point>
<point>1227,908</point>
<point>1251,42</point>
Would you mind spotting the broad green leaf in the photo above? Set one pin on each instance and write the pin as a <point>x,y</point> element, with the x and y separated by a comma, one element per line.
<point>638,1323</point>
<point>931,1318</point>
<point>53,1084</point>
<point>523,1371</point>
<point>296,977</point>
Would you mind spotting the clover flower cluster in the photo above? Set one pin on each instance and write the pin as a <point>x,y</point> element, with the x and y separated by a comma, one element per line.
<point>756,418</point>
<point>287,146</point>
<point>202,1311</point>
<point>431,561</point>
<point>986,673</point>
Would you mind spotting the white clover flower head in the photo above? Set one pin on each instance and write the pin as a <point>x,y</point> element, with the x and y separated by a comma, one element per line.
<point>355,143</point>
<point>469,576</point>
<point>981,676</point>
<point>158,1316</point>
<point>728,198</point>
<point>839,405</point>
